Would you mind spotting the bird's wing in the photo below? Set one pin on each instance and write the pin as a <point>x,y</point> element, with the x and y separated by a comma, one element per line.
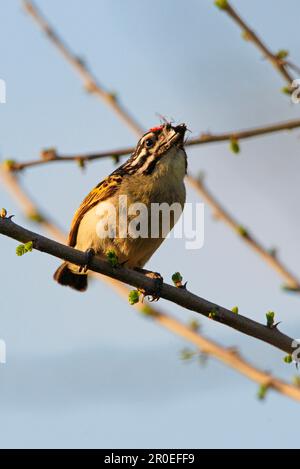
<point>103,191</point>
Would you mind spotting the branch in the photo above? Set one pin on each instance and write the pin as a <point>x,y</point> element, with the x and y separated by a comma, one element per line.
<point>51,156</point>
<point>179,296</point>
<point>90,82</point>
<point>278,63</point>
<point>292,282</point>
<point>228,356</point>
<point>231,358</point>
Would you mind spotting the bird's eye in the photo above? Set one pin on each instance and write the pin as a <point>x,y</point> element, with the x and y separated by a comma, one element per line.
<point>149,142</point>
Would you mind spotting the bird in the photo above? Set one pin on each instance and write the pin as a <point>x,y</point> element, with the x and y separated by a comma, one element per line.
<point>153,174</point>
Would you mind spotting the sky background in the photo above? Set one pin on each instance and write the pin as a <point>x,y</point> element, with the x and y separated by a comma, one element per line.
<point>86,370</point>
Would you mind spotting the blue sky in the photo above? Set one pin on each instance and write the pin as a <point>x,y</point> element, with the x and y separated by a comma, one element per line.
<point>87,370</point>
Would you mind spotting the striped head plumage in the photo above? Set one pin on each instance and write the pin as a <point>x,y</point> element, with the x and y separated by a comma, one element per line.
<point>152,148</point>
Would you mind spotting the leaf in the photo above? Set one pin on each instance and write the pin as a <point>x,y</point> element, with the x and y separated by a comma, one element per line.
<point>222,4</point>
<point>3,213</point>
<point>234,146</point>
<point>212,314</point>
<point>177,279</point>
<point>282,54</point>
<point>36,217</point>
<point>9,164</point>
<point>187,354</point>
<point>242,231</point>
<point>286,90</point>
<point>134,297</point>
<point>112,258</point>
<point>23,249</point>
<point>194,325</point>
<point>262,392</point>
<point>288,359</point>
<point>270,318</point>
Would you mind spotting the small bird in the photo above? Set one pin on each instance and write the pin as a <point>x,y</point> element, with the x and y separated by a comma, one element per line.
<point>154,174</point>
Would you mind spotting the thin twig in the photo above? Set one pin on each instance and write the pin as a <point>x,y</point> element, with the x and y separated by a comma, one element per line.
<point>51,155</point>
<point>180,296</point>
<point>90,82</point>
<point>292,282</point>
<point>278,63</point>
<point>229,356</point>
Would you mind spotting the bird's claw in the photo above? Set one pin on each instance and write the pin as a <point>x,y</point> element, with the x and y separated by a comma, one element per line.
<point>89,254</point>
<point>154,295</point>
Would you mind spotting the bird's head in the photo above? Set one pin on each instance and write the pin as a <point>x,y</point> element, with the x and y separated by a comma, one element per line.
<point>155,146</point>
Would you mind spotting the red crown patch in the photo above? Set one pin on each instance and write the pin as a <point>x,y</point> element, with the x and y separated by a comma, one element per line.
<point>155,129</point>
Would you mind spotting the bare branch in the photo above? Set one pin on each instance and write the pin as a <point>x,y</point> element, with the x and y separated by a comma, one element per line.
<point>90,82</point>
<point>51,156</point>
<point>292,282</point>
<point>278,63</point>
<point>176,295</point>
<point>231,358</point>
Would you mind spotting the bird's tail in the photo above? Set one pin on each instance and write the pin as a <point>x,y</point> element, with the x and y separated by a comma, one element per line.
<point>65,276</point>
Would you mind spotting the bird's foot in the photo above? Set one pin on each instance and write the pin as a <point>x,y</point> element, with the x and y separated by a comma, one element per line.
<point>89,254</point>
<point>153,295</point>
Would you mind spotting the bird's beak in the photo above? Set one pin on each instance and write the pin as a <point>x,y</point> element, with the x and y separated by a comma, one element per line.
<point>180,133</point>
